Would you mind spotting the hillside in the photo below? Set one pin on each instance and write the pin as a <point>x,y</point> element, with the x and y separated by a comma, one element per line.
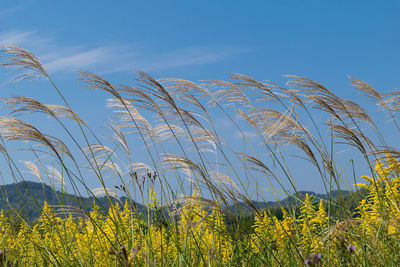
<point>26,199</point>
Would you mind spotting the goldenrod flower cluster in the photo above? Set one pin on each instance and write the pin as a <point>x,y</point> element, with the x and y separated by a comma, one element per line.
<point>304,234</point>
<point>118,237</point>
<point>196,236</point>
<point>372,233</point>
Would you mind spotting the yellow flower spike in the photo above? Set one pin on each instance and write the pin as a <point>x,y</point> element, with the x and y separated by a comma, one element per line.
<point>4,223</point>
<point>368,179</point>
<point>392,162</point>
<point>285,231</point>
<point>312,223</point>
<point>218,238</point>
<point>126,205</point>
<point>264,232</point>
<point>361,185</point>
<point>322,218</point>
<point>380,169</point>
<point>24,245</point>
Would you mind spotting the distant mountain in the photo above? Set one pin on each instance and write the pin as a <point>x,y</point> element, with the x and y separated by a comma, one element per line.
<point>293,200</point>
<point>27,198</point>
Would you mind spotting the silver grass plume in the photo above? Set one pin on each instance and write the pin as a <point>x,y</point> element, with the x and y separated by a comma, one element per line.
<point>129,117</point>
<point>33,169</point>
<point>12,56</point>
<point>120,140</point>
<point>266,90</point>
<point>15,129</point>
<point>105,191</point>
<point>227,94</point>
<point>56,175</point>
<point>350,137</point>
<point>166,132</point>
<point>21,105</point>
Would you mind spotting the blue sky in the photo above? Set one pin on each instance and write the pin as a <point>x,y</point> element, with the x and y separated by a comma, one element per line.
<point>199,40</point>
<point>202,40</point>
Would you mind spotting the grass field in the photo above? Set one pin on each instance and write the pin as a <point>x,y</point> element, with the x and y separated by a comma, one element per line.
<point>195,174</point>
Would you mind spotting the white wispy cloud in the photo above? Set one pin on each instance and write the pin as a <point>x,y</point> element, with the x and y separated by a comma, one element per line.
<point>248,134</point>
<point>223,122</point>
<point>9,11</point>
<point>58,58</point>
<point>14,36</point>
<point>190,56</point>
<point>25,38</point>
<point>103,59</point>
<point>113,57</point>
